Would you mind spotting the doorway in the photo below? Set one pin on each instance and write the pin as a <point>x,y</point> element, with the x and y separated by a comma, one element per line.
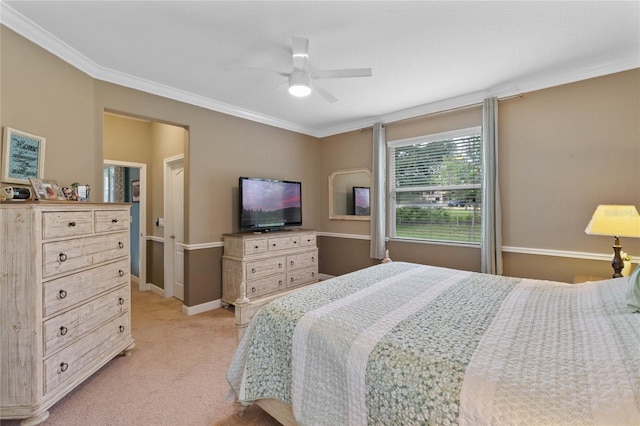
<point>131,172</point>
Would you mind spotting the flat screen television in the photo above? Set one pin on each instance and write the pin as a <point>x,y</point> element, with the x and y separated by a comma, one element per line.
<point>269,204</point>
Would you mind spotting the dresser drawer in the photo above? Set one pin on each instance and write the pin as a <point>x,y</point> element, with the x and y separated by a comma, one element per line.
<point>65,292</point>
<point>266,285</point>
<point>264,268</point>
<point>64,329</point>
<point>69,362</point>
<point>302,276</point>
<point>255,247</point>
<point>66,256</point>
<point>296,261</point>
<point>66,224</point>
<point>283,243</point>
<point>111,220</point>
<point>307,240</point>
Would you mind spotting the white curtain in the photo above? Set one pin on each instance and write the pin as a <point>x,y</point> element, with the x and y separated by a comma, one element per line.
<point>378,193</point>
<point>491,252</point>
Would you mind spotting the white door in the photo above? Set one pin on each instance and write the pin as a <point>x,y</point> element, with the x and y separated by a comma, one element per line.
<point>177,226</point>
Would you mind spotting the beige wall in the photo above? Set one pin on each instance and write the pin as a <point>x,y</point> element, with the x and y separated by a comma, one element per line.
<point>44,96</point>
<point>562,151</point>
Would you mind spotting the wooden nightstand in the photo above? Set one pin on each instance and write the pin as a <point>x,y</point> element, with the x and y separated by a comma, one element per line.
<point>577,279</point>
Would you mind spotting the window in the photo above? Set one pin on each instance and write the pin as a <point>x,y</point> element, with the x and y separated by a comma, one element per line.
<point>435,187</point>
<point>109,184</point>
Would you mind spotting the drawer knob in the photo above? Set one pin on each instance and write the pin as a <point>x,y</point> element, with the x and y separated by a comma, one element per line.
<point>295,242</point>
<point>72,224</point>
<point>279,265</point>
<point>120,244</point>
<point>253,289</point>
<point>121,300</point>
<point>64,367</point>
<point>291,262</point>
<point>274,244</point>
<point>292,279</point>
<point>62,257</point>
<point>280,282</point>
<point>121,273</point>
<point>121,329</point>
<point>63,330</point>
<point>253,270</point>
<point>62,294</point>
<point>114,220</point>
<point>313,258</point>
<point>313,274</point>
<point>255,247</point>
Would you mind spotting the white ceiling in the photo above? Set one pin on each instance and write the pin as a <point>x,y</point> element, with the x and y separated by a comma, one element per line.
<point>425,55</point>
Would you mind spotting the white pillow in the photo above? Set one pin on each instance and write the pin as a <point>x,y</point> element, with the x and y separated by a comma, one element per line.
<point>633,291</point>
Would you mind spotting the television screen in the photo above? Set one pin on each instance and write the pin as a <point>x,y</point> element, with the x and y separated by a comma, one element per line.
<point>361,201</point>
<point>267,204</point>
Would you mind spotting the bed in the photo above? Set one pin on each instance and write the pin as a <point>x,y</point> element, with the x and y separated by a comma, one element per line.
<point>407,344</point>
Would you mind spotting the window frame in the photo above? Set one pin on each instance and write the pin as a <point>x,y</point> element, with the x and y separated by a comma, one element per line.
<point>391,190</point>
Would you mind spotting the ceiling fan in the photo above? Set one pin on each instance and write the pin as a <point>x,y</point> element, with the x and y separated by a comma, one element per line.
<point>302,80</point>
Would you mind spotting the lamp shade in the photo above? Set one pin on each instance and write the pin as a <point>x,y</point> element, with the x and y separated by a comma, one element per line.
<point>614,220</point>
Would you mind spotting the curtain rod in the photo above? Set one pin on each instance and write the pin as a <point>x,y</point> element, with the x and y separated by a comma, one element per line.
<point>458,108</point>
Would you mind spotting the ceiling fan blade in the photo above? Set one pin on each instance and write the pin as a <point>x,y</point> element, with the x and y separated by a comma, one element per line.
<point>347,73</point>
<point>300,53</point>
<point>240,67</point>
<point>328,96</point>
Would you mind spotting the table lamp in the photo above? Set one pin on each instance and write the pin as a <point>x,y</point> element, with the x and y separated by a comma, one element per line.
<point>615,221</point>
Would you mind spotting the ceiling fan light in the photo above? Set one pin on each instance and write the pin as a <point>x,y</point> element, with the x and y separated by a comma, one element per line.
<point>299,84</point>
<point>300,90</point>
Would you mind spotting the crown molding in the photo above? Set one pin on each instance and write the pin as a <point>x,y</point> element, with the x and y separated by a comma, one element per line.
<point>33,32</point>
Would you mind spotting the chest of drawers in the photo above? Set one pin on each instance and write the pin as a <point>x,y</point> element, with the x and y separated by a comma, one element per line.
<point>65,300</point>
<point>256,268</point>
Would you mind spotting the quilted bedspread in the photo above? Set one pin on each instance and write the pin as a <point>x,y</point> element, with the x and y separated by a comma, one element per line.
<point>407,344</point>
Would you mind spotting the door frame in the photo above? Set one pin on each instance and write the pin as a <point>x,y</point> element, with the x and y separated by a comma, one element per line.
<point>142,219</point>
<point>168,221</point>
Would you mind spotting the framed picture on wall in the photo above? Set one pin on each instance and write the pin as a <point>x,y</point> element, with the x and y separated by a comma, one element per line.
<point>22,156</point>
<point>135,191</point>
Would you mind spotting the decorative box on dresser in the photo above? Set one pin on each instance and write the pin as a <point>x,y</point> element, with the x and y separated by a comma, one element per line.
<point>259,267</point>
<point>65,299</point>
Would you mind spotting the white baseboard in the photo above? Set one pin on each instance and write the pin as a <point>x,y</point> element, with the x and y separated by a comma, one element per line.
<point>155,289</point>
<point>203,307</point>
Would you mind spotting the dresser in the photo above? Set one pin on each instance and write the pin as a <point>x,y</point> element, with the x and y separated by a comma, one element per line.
<point>257,268</point>
<point>65,299</point>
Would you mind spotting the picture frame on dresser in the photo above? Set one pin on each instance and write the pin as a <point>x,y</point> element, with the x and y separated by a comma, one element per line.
<point>22,156</point>
<point>47,189</point>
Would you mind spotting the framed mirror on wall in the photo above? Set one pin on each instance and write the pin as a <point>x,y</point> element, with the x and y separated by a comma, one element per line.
<point>349,194</point>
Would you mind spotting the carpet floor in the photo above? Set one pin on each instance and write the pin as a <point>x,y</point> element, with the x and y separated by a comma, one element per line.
<point>174,376</point>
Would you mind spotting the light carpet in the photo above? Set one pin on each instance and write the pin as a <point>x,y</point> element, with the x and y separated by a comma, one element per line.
<point>174,376</point>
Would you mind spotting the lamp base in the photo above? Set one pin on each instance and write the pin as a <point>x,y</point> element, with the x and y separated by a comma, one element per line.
<point>617,261</point>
